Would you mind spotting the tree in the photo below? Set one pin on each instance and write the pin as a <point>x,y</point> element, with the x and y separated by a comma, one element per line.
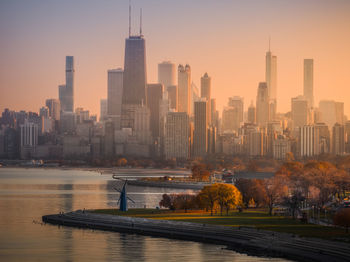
<point>251,189</point>
<point>122,162</point>
<point>228,196</point>
<point>200,172</point>
<point>184,201</point>
<point>293,202</point>
<point>208,196</point>
<point>342,218</point>
<point>275,190</point>
<point>168,201</point>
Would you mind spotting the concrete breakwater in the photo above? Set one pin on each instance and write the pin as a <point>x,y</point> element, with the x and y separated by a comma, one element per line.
<point>246,240</point>
<point>166,184</point>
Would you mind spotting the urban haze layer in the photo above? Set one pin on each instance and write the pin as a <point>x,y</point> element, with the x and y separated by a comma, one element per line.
<point>173,120</point>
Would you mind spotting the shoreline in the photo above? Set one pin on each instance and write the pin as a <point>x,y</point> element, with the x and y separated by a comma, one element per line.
<point>177,185</point>
<point>242,239</point>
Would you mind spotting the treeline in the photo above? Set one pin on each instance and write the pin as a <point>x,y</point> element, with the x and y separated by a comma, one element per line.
<point>318,183</point>
<point>222,197</point>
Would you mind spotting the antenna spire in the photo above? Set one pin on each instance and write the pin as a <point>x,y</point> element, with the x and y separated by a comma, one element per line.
<point>269,43</point>
<point>129,18</point>
<point>140,21</point>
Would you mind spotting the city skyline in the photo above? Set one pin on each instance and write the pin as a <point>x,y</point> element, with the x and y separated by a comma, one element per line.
<point>235,71</point>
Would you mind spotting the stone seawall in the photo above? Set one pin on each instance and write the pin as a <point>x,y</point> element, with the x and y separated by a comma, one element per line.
<point>246,240</point>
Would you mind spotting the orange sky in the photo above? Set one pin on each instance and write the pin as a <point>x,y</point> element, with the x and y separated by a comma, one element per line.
<point>226,39</point>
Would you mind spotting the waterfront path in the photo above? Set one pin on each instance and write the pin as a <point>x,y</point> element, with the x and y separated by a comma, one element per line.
<point>241,239</point>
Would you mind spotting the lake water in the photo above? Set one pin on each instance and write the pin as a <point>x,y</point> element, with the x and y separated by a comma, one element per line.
<point>27,194</point>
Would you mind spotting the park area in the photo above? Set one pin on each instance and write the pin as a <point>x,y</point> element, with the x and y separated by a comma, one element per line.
<point>256,218</point>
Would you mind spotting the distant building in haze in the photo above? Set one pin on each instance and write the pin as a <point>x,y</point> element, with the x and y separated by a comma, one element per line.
<point>166,74</point>
<point>200,143</point>
<point>262,105</point>
<point>66,92</point>
<point>103,109</point>
<point>300,112</point>
<point>206,93</point>
<point>173,97</point>
<point>251,114</point>
<point>114,96</point>
<point>338,139</point>
<point>54,108</point>
<point>309,81</point>
<point>177,136</point>
<point>155,95</point>
<point>184,89</point>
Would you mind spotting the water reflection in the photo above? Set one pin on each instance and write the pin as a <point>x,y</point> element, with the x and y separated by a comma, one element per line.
<point>27,194</point>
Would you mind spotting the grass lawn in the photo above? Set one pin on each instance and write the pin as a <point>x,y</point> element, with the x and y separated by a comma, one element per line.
<point>250,218</point>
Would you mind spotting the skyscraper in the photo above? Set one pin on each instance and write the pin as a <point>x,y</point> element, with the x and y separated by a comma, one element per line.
<point>309,141</point>
<point>155,95</point>
<point>200,143</point>
<point>206,93</point>
<point>103,109</point>
<point>173,97</point>
<point>176,137</point>
<point>251,114</point>
<point>331,112</point>
<point>271,75</point>
<point>300,112</point>
<point>238,103</point>
<point>309,81</point>
<point>184,89</point>
<point>262,105</point>
<point>114,96</point>
<point>54,108</point>
<point>66,92</point>
<point>338,139</point>
<point>134,78</point>
<point>70,83</point>
<point>166,74</point>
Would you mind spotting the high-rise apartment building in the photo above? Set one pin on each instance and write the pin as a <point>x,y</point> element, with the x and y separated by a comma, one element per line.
<point>114,96</point>
<point>338,139</point>
<point>66,92</point>
<point>177,136</point>
<point>251,114</point>
<point>262,105</point>
<point>238,103</point>
<point>309,81</point>
<point>184,89</point>
<point>173,97</point>
<point>103,109</point>
<point>214,120</point>
<point>271,75</point>
<point>166,74</point>
<point>200,143</point>
<point>331,112</point>
<point>300,112</point>
<point>29,139</point>
<point>206,93</point>
<point>309,139</point>
<point>155,95</point>
<point>115,92</point>
<point>54,108</point>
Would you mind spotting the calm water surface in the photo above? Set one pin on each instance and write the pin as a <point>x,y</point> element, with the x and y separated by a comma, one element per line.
<point>27,194</point>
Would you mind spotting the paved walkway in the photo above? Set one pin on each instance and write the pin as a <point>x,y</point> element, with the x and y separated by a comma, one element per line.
<point>247,240</point>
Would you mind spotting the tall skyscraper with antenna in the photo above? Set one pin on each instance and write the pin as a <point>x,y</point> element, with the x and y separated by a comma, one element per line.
<point>134,77</point>
<point>271,74</point>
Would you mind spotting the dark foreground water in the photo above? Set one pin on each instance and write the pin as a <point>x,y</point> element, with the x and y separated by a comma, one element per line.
<point>27,194</point>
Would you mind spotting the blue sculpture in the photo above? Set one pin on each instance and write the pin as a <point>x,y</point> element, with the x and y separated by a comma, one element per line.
<point>123,198</point>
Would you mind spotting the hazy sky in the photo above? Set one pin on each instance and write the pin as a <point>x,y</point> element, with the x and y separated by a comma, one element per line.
<point>227,39</point>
